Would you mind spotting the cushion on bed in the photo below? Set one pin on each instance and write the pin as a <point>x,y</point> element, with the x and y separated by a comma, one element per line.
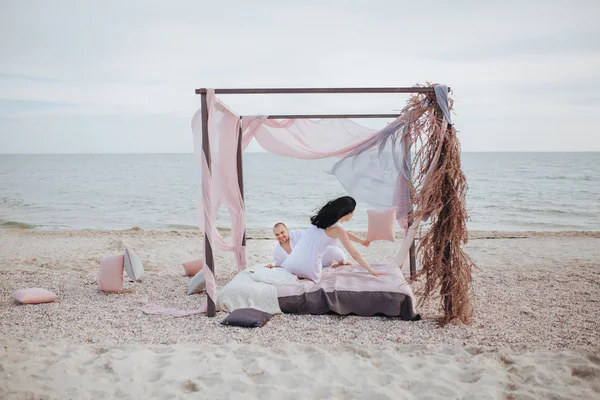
<point>381,225</point>
<point>274,276</point>
<point>247,317</point>
<point>244,292</point>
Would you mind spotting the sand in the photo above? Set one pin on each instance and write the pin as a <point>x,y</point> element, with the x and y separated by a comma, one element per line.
<point>535,333</point>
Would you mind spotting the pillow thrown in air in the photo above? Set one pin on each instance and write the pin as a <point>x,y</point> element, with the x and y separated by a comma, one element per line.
<point>247,317</point>
<point>110,276</point>
<point>133,265</point>
<point>34,296</point>
<point>382,225</point>
<point>197,284</point>
<point>191,268</point>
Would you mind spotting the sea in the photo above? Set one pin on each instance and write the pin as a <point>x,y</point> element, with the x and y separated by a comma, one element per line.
<point>507,191</point>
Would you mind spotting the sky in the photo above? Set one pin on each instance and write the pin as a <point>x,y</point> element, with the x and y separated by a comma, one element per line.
<point>119,76</point>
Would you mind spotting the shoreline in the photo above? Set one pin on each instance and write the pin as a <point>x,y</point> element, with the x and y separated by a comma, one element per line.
<point>265,233</point>
<point>16,225</point>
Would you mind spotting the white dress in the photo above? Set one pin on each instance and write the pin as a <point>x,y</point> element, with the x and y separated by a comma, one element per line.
<point>332,255</point>
<point>306,259</point>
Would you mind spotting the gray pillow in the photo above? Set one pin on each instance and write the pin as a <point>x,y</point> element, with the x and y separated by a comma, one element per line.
<point>197,284</point>
<point>133,265</point>
<point>247,317</point>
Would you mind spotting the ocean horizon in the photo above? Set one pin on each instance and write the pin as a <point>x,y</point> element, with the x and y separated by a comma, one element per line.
<point>508,191</point>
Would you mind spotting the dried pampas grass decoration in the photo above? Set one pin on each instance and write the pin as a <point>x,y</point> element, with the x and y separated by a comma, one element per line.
<point>438,193</point>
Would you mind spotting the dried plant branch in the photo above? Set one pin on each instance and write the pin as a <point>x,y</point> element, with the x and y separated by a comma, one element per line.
<point>438,193</point>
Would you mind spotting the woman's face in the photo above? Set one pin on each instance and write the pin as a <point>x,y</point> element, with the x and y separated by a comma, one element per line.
<point>347,217</point>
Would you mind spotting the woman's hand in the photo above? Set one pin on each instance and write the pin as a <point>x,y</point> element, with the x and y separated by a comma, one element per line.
<point>366,243</point>
<point>376,273</point>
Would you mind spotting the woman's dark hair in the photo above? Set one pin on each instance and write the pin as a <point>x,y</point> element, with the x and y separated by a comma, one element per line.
<point>331,212</point>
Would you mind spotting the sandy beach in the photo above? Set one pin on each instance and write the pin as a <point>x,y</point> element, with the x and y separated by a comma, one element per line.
<point>535,333</point>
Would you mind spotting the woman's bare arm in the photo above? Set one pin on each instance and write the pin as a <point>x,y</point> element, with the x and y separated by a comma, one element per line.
<point>340,233</point>
<point>358,240</point>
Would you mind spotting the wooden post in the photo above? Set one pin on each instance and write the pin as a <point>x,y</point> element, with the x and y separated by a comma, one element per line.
<point>447,185</point>
<point>208,252</point>
<point>240,173</point>
<point>407,166</point>
<point>445,290</point>
<point>413,261</point>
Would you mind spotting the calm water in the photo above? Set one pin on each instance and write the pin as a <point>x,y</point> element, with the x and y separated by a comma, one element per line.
<point>507,191</point>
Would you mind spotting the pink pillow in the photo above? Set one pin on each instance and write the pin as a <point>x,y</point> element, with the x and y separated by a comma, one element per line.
<point>110,277</point>
<point>191,268</point>
<point>382,225</point>
<point>34,296</point>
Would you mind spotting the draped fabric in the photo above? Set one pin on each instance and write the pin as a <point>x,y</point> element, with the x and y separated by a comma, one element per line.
<point>375,165</point>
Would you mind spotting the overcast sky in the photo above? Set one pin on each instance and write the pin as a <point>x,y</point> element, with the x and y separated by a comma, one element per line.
<point>118,76</point>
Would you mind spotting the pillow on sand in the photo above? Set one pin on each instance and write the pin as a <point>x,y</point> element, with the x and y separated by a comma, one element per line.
<point>197,284</point>
<point>381,225</point>
<point>133,265</point>
<point>34,296</point>
<point>247,317</point>
<point>191,268</point>
<point>110,277</point>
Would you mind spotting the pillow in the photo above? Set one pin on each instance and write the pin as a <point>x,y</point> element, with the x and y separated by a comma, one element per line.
<point>382,225</point>
<point>197,283</point>
<point>34,296</point>
<point>274,276</point>
<point>247,317</point>
<point>133,265</point>
<point>191,268</point>
<point>110,277</point>
<point>244,292</point>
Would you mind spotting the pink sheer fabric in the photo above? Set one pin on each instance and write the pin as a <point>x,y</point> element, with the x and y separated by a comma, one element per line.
<point>219,183</point>
<point>154,309</point>
<point>305,138</point>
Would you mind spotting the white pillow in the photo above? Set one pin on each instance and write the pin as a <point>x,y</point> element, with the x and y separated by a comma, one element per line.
<point>197,284</point>
<point>133,265</point>
<point>274,276</point>
<point>244,292</point>
<point>256,266</point>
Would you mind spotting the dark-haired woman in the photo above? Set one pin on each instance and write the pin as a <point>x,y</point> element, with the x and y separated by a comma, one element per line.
<point>305,260</point>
